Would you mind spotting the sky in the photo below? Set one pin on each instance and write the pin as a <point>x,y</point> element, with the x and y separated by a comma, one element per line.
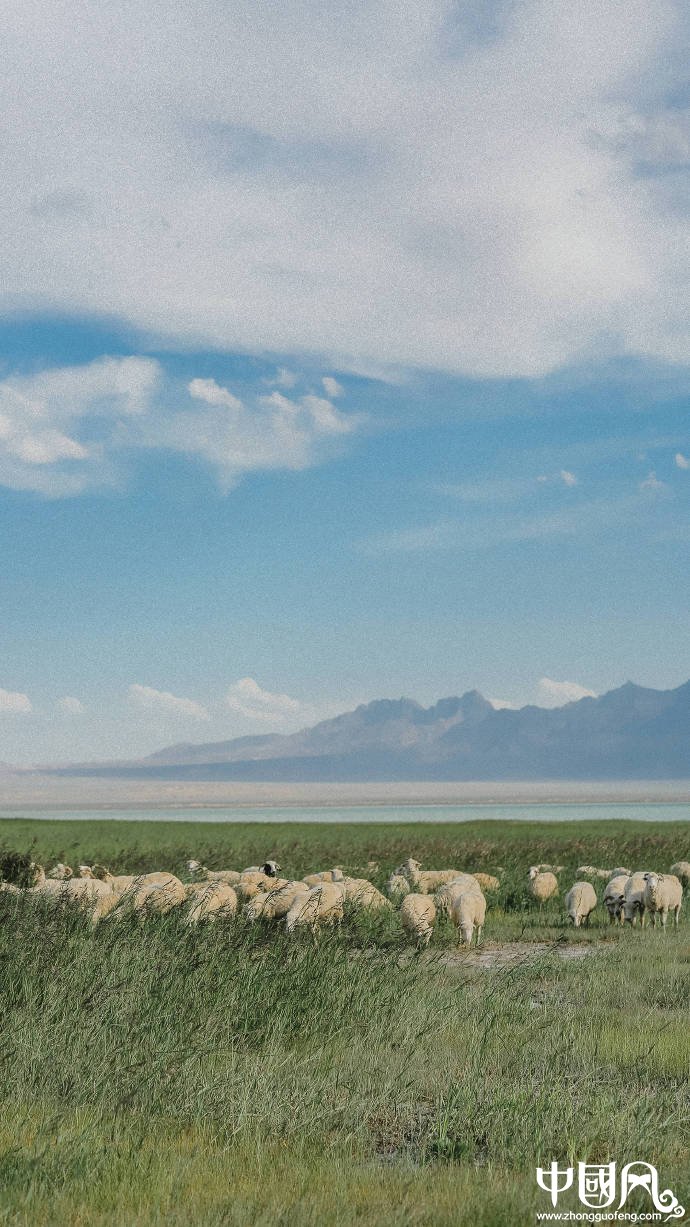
<point>343,355</point>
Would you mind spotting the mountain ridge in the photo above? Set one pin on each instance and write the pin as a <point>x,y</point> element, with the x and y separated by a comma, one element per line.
<point>630,732</point>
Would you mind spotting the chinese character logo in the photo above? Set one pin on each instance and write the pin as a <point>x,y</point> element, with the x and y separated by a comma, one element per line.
<point>597,1186</point>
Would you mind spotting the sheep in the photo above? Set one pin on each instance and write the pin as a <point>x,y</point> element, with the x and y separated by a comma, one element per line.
<point>426,881</point>
<point>363,893</point>
<point>590,871</point>
<point>276,903</point>
<point>681,869</point>
<point>468,913</point>
<point>269,869</point>
<point>446,895</point>
<point>229,876</point>
<point>88,893</point>
<point>543,885</point>
<point>487,881</point>
<point>325,875</point>
<point>144,896</point>
<point>209,901</point>
<point>614,897</point>
<point>634,904</point>
<point>580,902</point>
<point>397,886</point>
<point>60,872</point>
<point>322,904</point>
<point>417,916</point>
<point>548,868</point>
<point>663,893</point>
<point>253,881</point>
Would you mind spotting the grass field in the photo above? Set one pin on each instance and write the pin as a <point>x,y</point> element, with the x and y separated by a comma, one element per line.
<point>231,1076</point>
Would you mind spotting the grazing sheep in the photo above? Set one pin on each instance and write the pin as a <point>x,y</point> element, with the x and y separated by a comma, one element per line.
<point>543,885</point>
<point>229,876</point>
<point>634,904</point>
<point>397,886</point>
<point>590,871</point>
<point>614,897</point>
<point>253,881</point>
<point>322,905</point>
<point>144,897</point>
<point>580,902</point>
<point>60,872</point>
<point>269,869</point>
<point>468,913</point>
<point>663,893</point>
<point>211,900</point>
<point>446,895</point>
<point>425,881</point>
<point>87,893</point>
<point>548,868</point>
<point>363,893</point>
<point>276,903</point>
<point>325,875</point>
<point>417,916</point>
<point>486,881</point>
<point>620,869</point>
<point>681,869</point>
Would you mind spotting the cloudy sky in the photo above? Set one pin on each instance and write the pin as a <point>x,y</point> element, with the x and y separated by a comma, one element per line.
<point>343,353</point>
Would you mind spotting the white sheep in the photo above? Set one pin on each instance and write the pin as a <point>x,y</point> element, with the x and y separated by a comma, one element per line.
<point>425,881</point>
<point>663,893</point>
<point>542,868</point>
<point>397,886</point>
<point>580,902</point>
<point>487,881</point>
<point>681,869</point>
<point>363,893</point>
<point>417,917</point>
<point>468,913</point>
<point>209,901</point>
<point>614,897</point>
<point>269,869</point>
<point>229,876</point>
<point>60,872</point>
<point>445,896</point>
<point>634,904</point>
<point>324,875</point>
<point>543,884</point>
<point>92,896</point>
<point>322,905</point>
<point>276,903</point>
<point>253,881</point>
<point>591,871</point>
<point>145,897</point>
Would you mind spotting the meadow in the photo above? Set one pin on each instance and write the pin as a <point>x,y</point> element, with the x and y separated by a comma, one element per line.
<point>153,1074</point>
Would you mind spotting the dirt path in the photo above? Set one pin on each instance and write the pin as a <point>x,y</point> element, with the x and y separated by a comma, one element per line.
<point>494,955</point>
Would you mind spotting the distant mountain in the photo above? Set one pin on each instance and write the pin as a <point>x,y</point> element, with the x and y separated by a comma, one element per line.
<point>629,733</point>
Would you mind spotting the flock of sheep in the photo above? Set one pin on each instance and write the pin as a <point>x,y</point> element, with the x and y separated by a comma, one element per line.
<point>319,898</point>
<point>627,894</point>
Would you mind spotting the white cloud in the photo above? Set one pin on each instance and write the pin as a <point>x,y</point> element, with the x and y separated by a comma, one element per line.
<point>165,703</point>
<point>568,478</point>
<point>503,705</point>
<point>71,706</point>
<point>66,430</point>
<point>331,386</point>
<point>14,701</point>
<point>652,483</point>
<point>682,461</point>
<point>379,183</point>
<point>557,694</point>
<point>246,698</point>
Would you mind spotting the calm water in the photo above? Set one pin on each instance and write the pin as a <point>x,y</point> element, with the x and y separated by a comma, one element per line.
<point>571,812</point>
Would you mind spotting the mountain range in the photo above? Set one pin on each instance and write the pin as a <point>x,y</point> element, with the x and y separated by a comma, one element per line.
<point>629,733</point>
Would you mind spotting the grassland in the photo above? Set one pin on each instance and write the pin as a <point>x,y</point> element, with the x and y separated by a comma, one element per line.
<point>155,1075</point>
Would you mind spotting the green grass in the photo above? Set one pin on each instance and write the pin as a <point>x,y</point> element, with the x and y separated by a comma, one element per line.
<point>230,1076</point>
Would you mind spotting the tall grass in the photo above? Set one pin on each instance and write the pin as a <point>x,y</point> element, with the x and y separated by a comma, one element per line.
<point>154,1074</point>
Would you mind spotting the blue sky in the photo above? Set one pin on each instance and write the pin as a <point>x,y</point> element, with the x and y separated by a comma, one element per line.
<point>338,359</point>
